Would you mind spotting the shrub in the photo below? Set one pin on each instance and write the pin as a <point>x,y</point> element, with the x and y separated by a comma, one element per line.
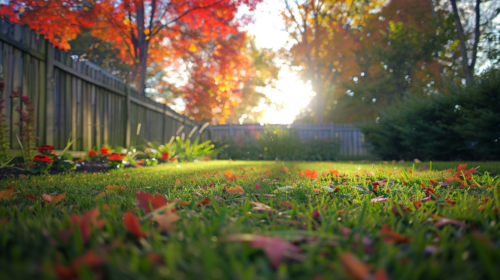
<point>278,144</point>
<point>463,124</point>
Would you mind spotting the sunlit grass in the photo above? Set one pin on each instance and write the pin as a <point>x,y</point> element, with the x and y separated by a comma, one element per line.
<point>37,238</point>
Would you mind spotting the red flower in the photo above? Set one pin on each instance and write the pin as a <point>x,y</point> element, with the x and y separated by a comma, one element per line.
<point>43,158</point>
<point>311,174</point>
<point>115,156</point>
<point>92,153</point>
<point>173,159</point>
<point>105,151</point>
<point>46,147</point>
<point>207,158</point>
<point>164,156</point>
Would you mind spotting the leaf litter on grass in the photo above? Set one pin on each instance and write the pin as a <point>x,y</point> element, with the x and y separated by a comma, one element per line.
<point>323,218</point>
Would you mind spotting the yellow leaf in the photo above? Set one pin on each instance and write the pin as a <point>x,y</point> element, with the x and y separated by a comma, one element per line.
<point>126,21</point>
<point>192,48</point>
<point>146,32</point>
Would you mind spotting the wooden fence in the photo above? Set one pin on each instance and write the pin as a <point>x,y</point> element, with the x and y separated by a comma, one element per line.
<point>352,140</point>
<point>77,98</point>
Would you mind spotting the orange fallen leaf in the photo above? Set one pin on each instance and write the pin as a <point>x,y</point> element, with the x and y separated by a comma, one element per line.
<point>284,203</point>
<point>101,194</point>
<point>236,189</point>
<point>391,236</point>
<point>7,194</point>
<point>354,267</point>
<point>53,199</point>
<point>29,196</point>
<point>90,259</point>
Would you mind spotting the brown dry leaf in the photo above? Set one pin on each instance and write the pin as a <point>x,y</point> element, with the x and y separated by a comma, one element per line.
<point>7,194</point>
<point>178,183</point>
<point>126,175</point>
<point>166,220</point>
<point>53,199</point>
<point>261,206</point>
<point>236,189</point>
<point>354,267</point>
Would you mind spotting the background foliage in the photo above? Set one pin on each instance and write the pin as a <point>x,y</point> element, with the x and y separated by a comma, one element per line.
<point>464,124</point>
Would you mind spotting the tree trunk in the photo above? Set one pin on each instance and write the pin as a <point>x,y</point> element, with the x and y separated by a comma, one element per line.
<point>461,38</point>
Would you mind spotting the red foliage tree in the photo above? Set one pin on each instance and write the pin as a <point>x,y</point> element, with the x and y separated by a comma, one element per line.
<point>153,35</point>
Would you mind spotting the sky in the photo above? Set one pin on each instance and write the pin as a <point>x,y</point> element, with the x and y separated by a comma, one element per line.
<point>292,93</point>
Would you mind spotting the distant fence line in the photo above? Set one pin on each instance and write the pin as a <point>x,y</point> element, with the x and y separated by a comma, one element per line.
<point>352,141</point>
<point>76,98</point>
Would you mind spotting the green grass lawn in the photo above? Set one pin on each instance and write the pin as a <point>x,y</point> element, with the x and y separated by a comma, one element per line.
<point>333,226</point>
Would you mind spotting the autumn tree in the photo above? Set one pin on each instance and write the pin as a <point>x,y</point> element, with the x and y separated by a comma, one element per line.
<point>321,31</point>
<point>149,34</point>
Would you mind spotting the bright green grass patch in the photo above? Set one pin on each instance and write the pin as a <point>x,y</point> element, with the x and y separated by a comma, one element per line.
<point>37,238</point>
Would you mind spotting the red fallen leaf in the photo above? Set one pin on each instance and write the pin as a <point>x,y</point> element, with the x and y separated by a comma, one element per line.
<point>11,188</point>
<point>184,203</point>
<point>429,191</point>
<point>30,196</point>
<point>316,215</point>
<point>37,186</point>
<point>144,198</point>
<point>284,203</point>
<point>380,274</point>
<point>155,258</point>
<point>447,221</point>
<point>3,221</point>
<point>90,259</point>
<point>397,208</point>
<point>276,248</point>
<point>353,267</point>
<point>133,225</point>
<point>341,212</point>
<point>449,202</point>
<point>53,199</point>
<point>22,176</point>
<point>391,236</point>
<point>203,202</point>
<point>434,182</point>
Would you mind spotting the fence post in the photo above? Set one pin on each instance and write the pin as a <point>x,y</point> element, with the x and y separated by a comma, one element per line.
<point>332,130</point>
<point>127,117</point>
<point>49,95</point>
<point>164,123</point>
<point>231,130</point>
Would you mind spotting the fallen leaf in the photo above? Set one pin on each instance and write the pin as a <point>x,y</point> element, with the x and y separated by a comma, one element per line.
<point>145,199</point>
<point>354,267</point>
<point>380,274</point>
<point>90,259</point>
<point>101,194</point>
<point>276,248</point>
<point>397,208</point>
<point>391,236</point>
<point>203,202</point>
<point>7,194</point>
<point>284,203</point>
<point>30,196</point>
<point>166,220</point>
<point>132,223</point>
<point>236,189</point>
<point>126,175</point>
<point>261,206</point>
<point>379,199</point>
<point>53,199</point>
<point>114,189</point>
<point>447,221</point>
